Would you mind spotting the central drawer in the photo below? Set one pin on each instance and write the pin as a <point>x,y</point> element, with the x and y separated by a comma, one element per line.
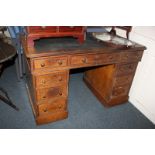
<point>82,60</point>
<point>94,59</point>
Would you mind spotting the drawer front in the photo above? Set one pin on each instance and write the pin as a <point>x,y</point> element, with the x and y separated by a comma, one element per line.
<point>51,80</point>
<point>95,59</point>
<point>125,69</point>
<point>51,93</point>
<point>56,105</point>
<point>107,58</point>
<point>121,90</point>
<point>58,61</point>
<point>123,80</point>
<point>70,28</point>
<point>131,56</point>
<point>41,63</point>
<point>36,29</point>
<point>50,62</point>
<point>82,60</point>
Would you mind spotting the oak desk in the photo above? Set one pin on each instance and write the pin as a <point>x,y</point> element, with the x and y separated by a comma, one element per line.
<point>109,75</point>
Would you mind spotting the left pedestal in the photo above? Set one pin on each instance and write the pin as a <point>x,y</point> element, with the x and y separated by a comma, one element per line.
<point>47,90</point>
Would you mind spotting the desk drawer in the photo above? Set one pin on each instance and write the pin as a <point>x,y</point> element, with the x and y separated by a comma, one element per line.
<point>82,60</point>
<point>50,62</point>
<point>56,105</point>
<point>131,56</point>
<point>123,80</point>
<point>121,90</point>
<point>95,59</point>
<point>125,69</point>
<point>51,80</point>
<point>51,93</point>
<point>107,58</point>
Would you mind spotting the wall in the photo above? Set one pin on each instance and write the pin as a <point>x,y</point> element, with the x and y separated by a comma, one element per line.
<point>142,93</point>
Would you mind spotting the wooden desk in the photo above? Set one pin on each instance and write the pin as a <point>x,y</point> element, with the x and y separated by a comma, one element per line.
<point>109,76</point>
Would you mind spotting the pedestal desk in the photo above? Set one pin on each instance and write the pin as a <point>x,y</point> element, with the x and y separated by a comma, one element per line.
<point>109,75</point>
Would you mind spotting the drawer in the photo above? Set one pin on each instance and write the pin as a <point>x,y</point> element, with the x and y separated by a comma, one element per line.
<point>51,93</point>
<point>131,56</point>
<point>51,80</point>
<point>35,29</point>
<point>58,61</point>
<point>41,63</point>
<point>50,62</point>
<point>70,28</point>
<point>55,106</point>
<point>83,60</point>
<point>120,90</point>
<point>95,59</point>
<point>122,80</point>
<point>107,58</point>
<point>125,69</point>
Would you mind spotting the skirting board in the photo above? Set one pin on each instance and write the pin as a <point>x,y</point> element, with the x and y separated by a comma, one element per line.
<point>142,109</point>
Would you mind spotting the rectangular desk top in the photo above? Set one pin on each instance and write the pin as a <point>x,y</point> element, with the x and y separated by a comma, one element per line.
<point>69,45</point>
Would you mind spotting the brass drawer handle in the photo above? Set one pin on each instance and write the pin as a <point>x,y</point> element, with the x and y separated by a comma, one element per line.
<point>60,78</point>
<point>43,81</point>
<point>84,60</point>
<point>44,97</point>
<point>59,107</point>
<point>42,65</point>
<point>127,56</point>
<point>110,57</point>
<point>60,62</point>
<point>45,110</point>
<point>119,91</point>
<point>60,93</point>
